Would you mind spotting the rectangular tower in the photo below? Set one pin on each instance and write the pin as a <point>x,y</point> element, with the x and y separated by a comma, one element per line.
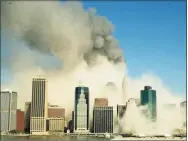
<point>27,116</point>
<point>39,105</point>
<point>148,97</point>
<point>77,96</point>
<point>121,111</point>
<point>8,110</point>
<point>103,119</point>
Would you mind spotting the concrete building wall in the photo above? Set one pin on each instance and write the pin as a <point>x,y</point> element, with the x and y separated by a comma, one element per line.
<point>20,120</point>
<point>38,124</point>
<point>56,124</point>
<point>8,110</point>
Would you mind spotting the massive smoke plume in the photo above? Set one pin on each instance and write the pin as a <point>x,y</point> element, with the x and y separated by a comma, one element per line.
<point>64,30</point>
<point>81,40</point>
<point>66,44</point>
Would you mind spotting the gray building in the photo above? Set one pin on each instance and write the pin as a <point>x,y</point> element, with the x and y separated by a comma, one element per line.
<point>103,119</point>
<point>27,116</point>
<point>121,110</point>
<point>39,105</point>
<point>8,110</point>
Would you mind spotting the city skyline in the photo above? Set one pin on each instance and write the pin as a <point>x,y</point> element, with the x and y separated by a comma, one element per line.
<point>131,64</point>
<point>138,74</point>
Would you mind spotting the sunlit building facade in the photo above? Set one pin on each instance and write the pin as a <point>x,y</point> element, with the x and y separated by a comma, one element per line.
<point>81,117</point>
<point>78,91</point>
<point>39,105</point>
<point>8,110</point>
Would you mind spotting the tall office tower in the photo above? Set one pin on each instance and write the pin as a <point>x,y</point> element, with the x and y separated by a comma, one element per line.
<point>103,119</point>
<point>20,120</point>
<point>39,105</point>
<point>121,111</point>
<point>27,116</point>
<point>78,91</point>
<point>81,117</point>
<point>56,111</point>
<point>148,97</point>
<point>8,110</point>
<point>101,102</point>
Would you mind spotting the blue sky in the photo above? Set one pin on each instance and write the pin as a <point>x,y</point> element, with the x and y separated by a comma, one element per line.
<point>152,36</point>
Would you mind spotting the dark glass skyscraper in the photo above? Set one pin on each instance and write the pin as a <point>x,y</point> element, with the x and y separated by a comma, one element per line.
<point>148,97</point>
<point>103,119</point>
<point>77,96</point>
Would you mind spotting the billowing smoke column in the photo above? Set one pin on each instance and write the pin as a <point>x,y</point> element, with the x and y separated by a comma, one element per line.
<point>81,40</point>
<point>63,29</point>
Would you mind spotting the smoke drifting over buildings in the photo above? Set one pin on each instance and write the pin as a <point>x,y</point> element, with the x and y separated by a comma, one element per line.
<point>64,30</point>
<point>66,43</point>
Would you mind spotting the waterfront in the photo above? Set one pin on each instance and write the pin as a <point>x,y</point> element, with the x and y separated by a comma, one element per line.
<point>51,137</point>
<point>54,137</point>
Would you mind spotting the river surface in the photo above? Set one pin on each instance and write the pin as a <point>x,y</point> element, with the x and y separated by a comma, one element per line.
<point>51,138</point>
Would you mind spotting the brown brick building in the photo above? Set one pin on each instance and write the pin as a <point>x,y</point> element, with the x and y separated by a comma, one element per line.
<point>101,102</point>
<point>55,112</point>
<point>19,120</point>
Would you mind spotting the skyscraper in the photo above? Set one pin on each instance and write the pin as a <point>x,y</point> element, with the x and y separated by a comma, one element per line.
<point>8,110</point>
<point>78,91</point>
<point>103,119</point>
<point>81,117</point>
<point>148,97</point>
<point>39,105</point>
<point>27,116</point>
<point>121,110</point>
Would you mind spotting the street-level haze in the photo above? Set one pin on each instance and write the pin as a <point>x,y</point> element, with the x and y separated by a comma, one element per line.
<point>68,44</point>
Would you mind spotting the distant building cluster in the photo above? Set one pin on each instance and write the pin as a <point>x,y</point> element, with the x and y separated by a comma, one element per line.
<point>41,117</point>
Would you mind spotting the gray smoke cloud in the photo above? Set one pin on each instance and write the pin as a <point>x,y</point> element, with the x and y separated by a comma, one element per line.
<point>62,29</point>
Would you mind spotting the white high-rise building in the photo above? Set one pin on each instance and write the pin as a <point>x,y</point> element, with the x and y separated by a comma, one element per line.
<point>81,114</point>
<point>8,110</point>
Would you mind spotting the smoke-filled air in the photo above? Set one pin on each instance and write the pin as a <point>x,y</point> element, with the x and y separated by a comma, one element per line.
<point>70,45</point>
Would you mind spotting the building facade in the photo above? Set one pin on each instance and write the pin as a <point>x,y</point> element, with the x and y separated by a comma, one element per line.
<point>27,116</point>
<point>39,105</point>
<point>121,111</point>
<point>55,112</point>
<point>101,102</point>
<point>148,97</point>
<point>56,124</point>
<point>8,110</point>
<point>103,119</point>
<point>78,91</point>
<point>81,117</point>
<point>20,120</point>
